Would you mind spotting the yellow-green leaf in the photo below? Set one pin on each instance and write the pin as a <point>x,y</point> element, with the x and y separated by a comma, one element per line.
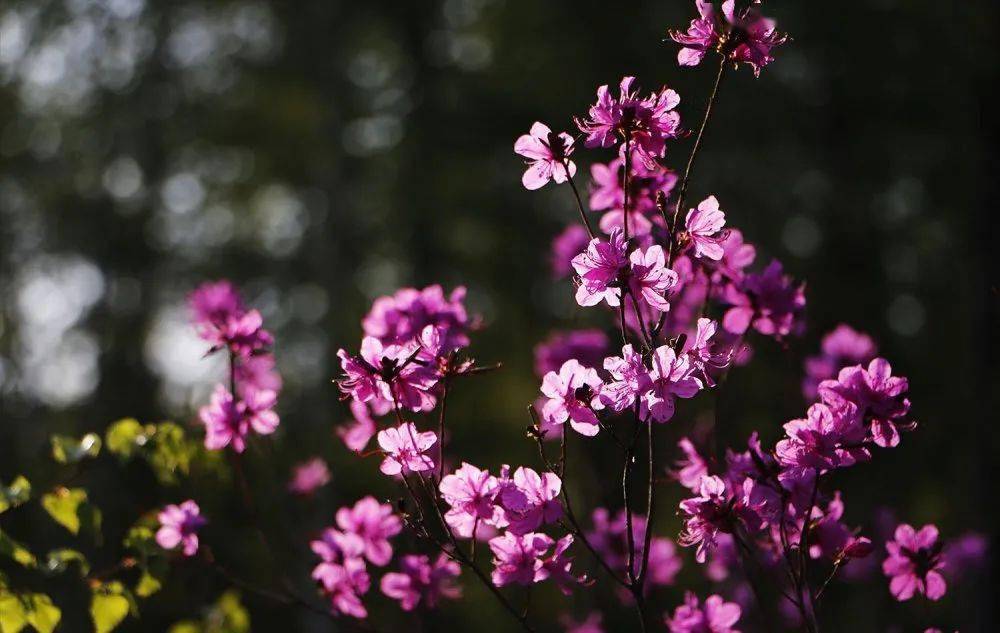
<point>15,494</point>
<point>64,506</point>
<point>125,436</point>
<point>59,561</point>
<point>18,552</point>
<point>147,585</point>
<point>13,613</point>
<point>69,450</point>
<point>42,614</point>
<point>109,606</point>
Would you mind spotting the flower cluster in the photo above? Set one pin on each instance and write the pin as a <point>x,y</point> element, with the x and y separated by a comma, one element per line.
<point>247,403</point>
<point>739,36</point>
<point>179,525</point>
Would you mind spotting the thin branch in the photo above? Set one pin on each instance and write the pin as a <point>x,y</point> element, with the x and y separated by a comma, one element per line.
<point>579,202</point>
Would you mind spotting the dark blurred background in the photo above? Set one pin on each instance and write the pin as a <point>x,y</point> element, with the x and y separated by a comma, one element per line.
<point>323,153</point>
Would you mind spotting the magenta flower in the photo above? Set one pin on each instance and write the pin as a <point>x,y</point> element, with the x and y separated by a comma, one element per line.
<point>218,315</point>
<point>645,184</point>
<point>228,421</point>
<point>649,278</point>
<point>418,581</point>
<point>609,537</point>
<point>309,476</point>
<point>179,525</point>
<point>399,319</point>
<point>914,564</point>
<point>572,396</point>
<point>256,373</point>
<point>518,559</point>
<point>342,573</point>
<point>360,430</point>
<point>714,616</point>
<point>600,269</point>
<point>690,470</point>
<point>770,302</point>
<point>645,123</point>
<point>841,347</point>
<point>703,225</point>
<point>471,493</point>
<point>565,246</point>
<point>593,623</point>
<point>245,335</point>
<point>405,448</point>
<point>558,567</point>
<point>374,523</point>
<point>736,255</point>
<point>672,376</point>
<point>745,37</point>
<point>530,500</point>
<point>879,396</point>
<point>391,373</point>
<point>547,154</point>
<point>706,515</point>
<point>629,380</point>
<point>586,346</point>
<point>830,437</point>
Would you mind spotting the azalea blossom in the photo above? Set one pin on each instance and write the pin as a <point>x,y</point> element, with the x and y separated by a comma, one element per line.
<point>600,270</point>
<point>586,346</point>
<point>374,523</point>
<point>878,395</point>
<point>915,563</point>
<point>629,379</point>
<point>839,348</point>
<point>714,616</point>
<point>388,373</point>
<point>703,225</point>
<point>420,581</point>
<point>517,559</point>
<point>646,123</point>
<point>406,449</point>
<point>530,500</point>
<point>649,277</point>
<point>228,421</point>
<point>565,246</point>
<point>309,476</point>
<point>572,396</point>
<point>547,154</point>
<point>342,573</point>
<point>742,36</point>
<point>829,437</point>
<point>558,566</point>
<point>179,525</point>
<point>671,377</point>
<point>399,318</point>
<point>770,302</point>
<point>471,493</point>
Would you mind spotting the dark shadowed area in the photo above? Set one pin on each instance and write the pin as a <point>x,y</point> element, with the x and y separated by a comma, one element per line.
<point>321,154</point>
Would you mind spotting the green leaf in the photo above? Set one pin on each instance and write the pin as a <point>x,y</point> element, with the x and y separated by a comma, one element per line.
<point>110,605</point>
<point>13,613</point>
<point>35,609</point>
<point>18,492</point>
<point>69,450</point>
<point>227,615</point>
<point>42,614</point>
<point>172,452</point>
<point>125,436</point>
<point>147,585</point>
<point>63,505</point>
<point>59,560</point>
<point>16,551</point>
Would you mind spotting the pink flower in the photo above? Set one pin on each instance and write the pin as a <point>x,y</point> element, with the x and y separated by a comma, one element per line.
<point>391,373</point>
<point>374,523</point>
<point>405,449</point>
<point>212,305</point>
<point>228,422</point>
<point>645,184</point>
<point>841,347</point>
<point>179,525</point>
<point>715,616</point>
<point>399,319</point>
<point>518,559</point>
<point>629,379</point>
<point>830,437</point>
<point>707,515</point>
<point>703,224</point>
<point>745,37</point>
<point>914,564</point>
<point>256,373</point>
<point>647,123</point>
<point>572,396</point>
<point>419,581</point>
<point>546,152</point>
<point>530,500</point>
<point>471,493</point>
<point>879,396</point>
<point>770,301</point>
<point>361,428</point>
<point>558,566</point>
<point>690,470</point>
<point>565,246</point>
<point>600,270</point>
<point>591,624</point>
<point>309,476</point>
<point>342,573</point>
<point>586,346</point>
<point>736,255</point>
<point>649,278</point>
<point>609,537</point>
<point>245,335</point>
<point>671,377</point>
